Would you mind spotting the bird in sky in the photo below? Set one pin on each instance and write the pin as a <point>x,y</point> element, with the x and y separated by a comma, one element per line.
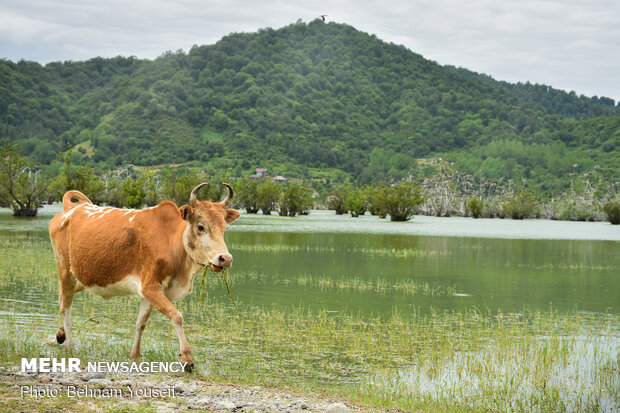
<point>323,16</point>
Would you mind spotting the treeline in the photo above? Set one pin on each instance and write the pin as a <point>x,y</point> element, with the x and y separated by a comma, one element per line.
<point>268,196</point>
<point>456,194</point>
<point>589,198</point>
<point>25,189</point>
<point>320,96</point>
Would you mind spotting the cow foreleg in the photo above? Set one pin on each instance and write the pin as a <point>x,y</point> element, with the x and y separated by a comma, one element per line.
<point>161,303</point>
<point>143,316</point>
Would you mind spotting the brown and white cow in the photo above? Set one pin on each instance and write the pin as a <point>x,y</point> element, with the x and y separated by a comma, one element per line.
<point>154,253</point>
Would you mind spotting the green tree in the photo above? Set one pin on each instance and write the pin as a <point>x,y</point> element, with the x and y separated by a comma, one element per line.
<point>247,195</point>
<point>81,179</point>
<point>295,199</point>
<point>21,185</point>
<point>177,185</point>
<point>152,186</point>
<point>112,189</point>
<point>177,188</point>
<point>401,201</point>
<point>356,202</point>
<point>269,193</point>
<point>374,199</point>
<point>133,193</point>
<point>337,199</point>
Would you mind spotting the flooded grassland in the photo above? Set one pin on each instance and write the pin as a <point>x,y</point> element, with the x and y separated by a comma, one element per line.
<point>432,314</point>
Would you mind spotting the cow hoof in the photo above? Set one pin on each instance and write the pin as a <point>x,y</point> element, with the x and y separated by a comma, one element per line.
<point>189,367</point>
<point>60,335</point>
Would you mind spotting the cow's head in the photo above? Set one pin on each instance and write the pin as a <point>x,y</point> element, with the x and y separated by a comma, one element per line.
<point>204,234</point>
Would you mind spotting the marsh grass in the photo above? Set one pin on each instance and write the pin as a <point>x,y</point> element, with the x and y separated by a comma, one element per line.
<point>525,362</point>
<point>367,251</point>
<point>567,266</point>
<point>377,285</point>
<point>470,360</point>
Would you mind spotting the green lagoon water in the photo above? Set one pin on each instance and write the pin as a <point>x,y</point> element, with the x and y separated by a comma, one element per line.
<point>370,266</point>
<point>370,269</point>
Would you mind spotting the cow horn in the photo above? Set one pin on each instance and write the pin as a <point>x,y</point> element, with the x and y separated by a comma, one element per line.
<point>230,194</point>
<point>194,195</point>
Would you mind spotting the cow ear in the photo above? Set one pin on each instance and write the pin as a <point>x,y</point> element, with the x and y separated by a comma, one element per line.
<point>231,215</point>
<point>186,211</point>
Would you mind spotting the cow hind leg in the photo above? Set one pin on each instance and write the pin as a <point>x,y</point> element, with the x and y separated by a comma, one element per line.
<point>67,285</point>
<point>143,316</point>
<point>60,334</point>
<point>63,335</point>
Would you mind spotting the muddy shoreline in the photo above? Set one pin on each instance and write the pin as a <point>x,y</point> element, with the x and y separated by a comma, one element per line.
<point>158,393</point>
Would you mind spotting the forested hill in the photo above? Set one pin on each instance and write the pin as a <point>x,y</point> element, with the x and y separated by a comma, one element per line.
<point>318,95</point>
<point>553,101</point>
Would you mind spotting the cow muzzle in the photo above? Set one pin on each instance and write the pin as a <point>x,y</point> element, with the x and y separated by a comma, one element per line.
<point>221,262</point>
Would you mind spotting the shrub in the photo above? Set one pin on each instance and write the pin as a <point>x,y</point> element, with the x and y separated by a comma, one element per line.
<point>337,199</point>
<point>401,201</point>
<point>612,209</point>
<point>474,206</point>
<point>355,203</point>
<point>295,199</point>
<point>520,205</point>
<point>373,196</point>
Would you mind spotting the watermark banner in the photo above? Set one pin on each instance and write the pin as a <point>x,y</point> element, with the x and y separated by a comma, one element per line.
<point>99,392</point>
<point>74,365</point>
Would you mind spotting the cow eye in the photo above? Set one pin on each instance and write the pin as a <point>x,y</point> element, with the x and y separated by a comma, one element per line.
<point>201,228</point>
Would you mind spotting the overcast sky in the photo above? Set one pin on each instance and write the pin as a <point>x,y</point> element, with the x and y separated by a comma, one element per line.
<point>568,44</point>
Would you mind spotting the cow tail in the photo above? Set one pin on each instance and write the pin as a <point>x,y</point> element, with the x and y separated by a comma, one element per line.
<point>67,199</point>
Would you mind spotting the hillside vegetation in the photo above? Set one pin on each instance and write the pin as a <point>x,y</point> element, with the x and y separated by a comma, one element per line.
<point>304,97</point>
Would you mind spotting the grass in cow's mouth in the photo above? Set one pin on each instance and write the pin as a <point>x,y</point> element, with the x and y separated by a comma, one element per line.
<point>216,268</point>
<point>203,287</point>
<point>442,361</point>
